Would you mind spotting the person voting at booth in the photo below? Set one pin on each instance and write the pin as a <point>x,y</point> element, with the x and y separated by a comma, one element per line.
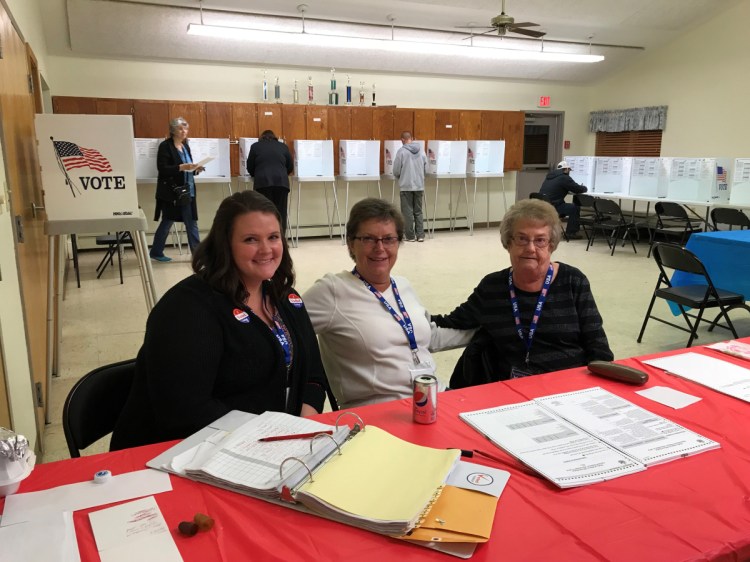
<point>409,167</point>
<point>270,163</point>
<point>235,335</point>
<point>555,187</point>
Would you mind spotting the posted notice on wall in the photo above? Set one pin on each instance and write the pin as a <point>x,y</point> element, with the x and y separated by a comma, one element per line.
<point>88,166</point>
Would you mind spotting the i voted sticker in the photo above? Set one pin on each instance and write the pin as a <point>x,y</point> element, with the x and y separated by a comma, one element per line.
<point>241,315</point>
<point>295,300</point>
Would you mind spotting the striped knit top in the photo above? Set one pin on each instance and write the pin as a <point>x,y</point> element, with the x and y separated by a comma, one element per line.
<point>569,332</point>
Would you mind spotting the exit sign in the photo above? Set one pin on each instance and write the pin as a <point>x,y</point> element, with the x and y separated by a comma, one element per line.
<point>544,101</point>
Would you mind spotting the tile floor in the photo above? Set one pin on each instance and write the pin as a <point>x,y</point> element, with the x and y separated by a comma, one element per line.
<point>104,321</point>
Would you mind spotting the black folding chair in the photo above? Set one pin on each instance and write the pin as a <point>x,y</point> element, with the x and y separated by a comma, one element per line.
<point>699,296</point>
<point>587,216</point>
<point>612,222</point>
<point>114,243</point>
<point>672,220</point>
<point>729,217</point>
<point>94,404</point>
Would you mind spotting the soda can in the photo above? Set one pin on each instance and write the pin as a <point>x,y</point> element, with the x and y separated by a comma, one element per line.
<point>425,399</point>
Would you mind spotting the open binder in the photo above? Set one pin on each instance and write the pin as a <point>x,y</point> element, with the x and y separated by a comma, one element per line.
<point>360,476</point>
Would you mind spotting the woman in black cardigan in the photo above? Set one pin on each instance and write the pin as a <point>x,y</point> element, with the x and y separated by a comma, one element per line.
<point>174,162</point>
<point>233,336</point>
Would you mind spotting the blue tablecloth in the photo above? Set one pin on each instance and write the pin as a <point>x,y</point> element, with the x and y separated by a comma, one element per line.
<point>726,255</point>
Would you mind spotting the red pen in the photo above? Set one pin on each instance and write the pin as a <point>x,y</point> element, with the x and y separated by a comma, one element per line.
<point>295,436</point>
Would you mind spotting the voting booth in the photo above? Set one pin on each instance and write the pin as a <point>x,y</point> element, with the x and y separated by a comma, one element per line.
<point>446,157</point>
<point>698,179</point>
<point>612,175</point>
<point>649,177</point>
<point>740,193</point>
<point>390,148</point>
<point>359,158</point>
<point>485,156</point>
<point>217,170</point>
<point>582,169</point>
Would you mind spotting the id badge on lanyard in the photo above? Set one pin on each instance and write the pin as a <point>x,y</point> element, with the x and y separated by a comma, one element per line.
<point>422,368</point>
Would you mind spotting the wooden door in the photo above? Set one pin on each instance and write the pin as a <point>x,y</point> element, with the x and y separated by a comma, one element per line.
<point>271,118</point>
<point>424,124</point>
<point>446,125</point>
<point>24,183</point>
<point>73,105</point>
<point>293,124</point>
<point>151,119</point>
<point>192,112</point>
<point>339,128</point>
<point>245,121</point>
<point>470,125</point>
<point>513,125</point>
<point>492,125</point>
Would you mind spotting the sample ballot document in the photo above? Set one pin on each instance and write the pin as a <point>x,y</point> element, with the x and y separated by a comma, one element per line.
<point>586,436</point>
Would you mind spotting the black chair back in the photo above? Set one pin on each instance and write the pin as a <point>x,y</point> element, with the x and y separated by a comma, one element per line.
<point>667,209</point>
<point>678,258</point>
<point>609,208</point>
<point>730,217</point>
<point>94,404</point>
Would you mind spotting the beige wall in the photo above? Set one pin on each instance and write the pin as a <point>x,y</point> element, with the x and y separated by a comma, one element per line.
<point>702,78</point>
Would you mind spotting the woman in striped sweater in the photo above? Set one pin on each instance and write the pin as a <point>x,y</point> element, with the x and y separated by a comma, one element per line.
<point>536,316</point>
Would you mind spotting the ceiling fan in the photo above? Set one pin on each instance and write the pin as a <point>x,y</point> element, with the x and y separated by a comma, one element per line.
<point>504,23</point>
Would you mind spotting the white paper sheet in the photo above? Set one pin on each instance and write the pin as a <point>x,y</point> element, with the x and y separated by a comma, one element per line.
<point>21,543</point>
<point>72,497</point>
<point>205,161</point>
<point>714,373</point>
<point>668,396</point>
<point>133,531</point>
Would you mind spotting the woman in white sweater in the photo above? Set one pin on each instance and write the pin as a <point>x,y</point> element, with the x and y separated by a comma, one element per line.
<point>374,334</point>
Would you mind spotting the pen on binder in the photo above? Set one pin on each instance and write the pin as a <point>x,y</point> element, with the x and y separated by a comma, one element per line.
<point>295,436</point>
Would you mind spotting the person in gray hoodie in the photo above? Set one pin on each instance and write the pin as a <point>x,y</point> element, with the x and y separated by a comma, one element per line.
<point>409,167</point>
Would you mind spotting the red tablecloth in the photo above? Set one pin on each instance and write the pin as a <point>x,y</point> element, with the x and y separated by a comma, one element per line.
<point>697,508</point>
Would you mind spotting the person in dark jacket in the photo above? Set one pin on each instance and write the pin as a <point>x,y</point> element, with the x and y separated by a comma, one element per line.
<point>555,187</point>
<point>233,336</point>
<point>174,162</point>
<point>270,163</point>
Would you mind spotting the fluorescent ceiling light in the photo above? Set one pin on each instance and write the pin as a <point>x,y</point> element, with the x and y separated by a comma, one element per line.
<point>386,45</point>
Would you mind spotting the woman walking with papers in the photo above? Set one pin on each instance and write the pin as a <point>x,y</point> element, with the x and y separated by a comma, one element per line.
<point>175,189</point>
<point>233,336</point>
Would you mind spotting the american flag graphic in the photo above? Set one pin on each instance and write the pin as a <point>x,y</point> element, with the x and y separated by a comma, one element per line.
<point>73,156</point>
<point>721,173</point>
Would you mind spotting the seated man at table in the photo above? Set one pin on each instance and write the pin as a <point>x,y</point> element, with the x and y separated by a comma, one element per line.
<point>534,317</point>
<point>555,187</point>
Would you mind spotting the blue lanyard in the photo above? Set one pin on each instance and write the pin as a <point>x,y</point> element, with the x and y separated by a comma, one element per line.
<point>537,311</point>
<point>403,320</point>
<point>280,333</point>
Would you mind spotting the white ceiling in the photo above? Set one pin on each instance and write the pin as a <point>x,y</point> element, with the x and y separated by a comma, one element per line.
<point>156,30</point>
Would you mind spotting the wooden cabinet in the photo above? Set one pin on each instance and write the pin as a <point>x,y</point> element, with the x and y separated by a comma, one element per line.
<point>382,128</point>
<point>192,112</point>
<point>316,120</point>
<point>513,125</point>
<point>245,121</point>
<point>446,125</point>
<point>151,119</point>
<point>470,125</point>
<point>403,120</point>
<point>424,124</point>
<point>73,105</point>
<point>219,126</point>
<point>271,118</point>
<point>293,124</point>
<point>114,106</point>
<point>362,123</point>
<point>339,128</point>
<point>492,125</point>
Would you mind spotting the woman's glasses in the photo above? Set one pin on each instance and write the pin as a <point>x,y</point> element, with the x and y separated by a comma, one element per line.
<point>370,242</point>
<point>540,243</point>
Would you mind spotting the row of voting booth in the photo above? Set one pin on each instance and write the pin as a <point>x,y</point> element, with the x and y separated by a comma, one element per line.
<point>706,180</point>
